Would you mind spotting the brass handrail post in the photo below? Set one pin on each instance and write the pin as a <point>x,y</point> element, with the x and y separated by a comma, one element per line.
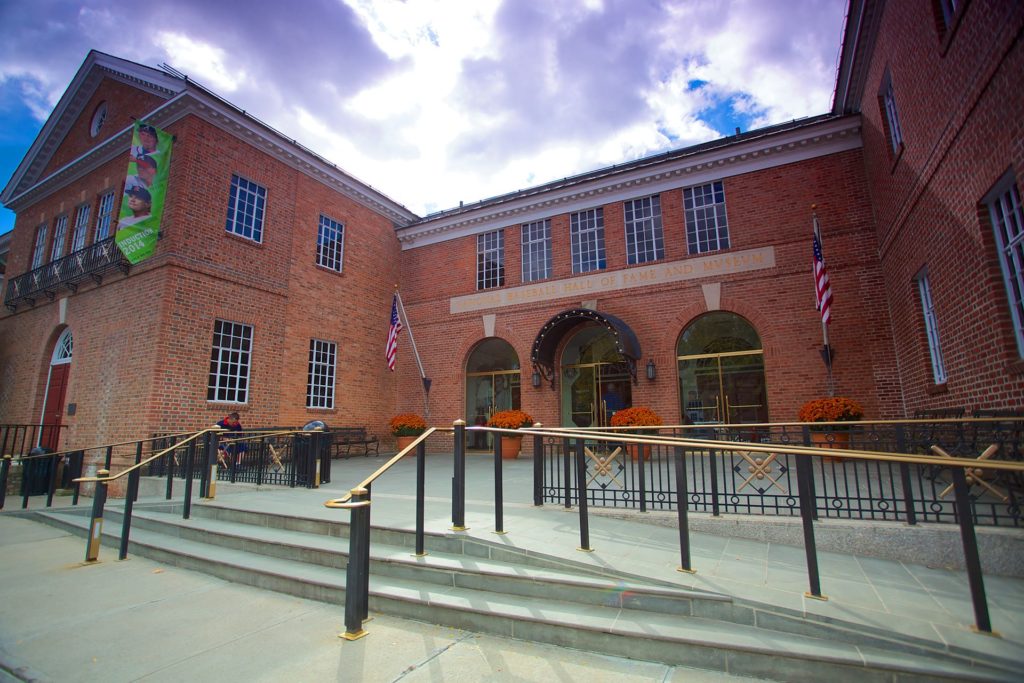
<point>682,503</point>
<point>5,469</point>
<point>806,493</point>
<point>538,467</point>
<point>581,496</point>
<point>130,496</point>
<point>459,477</point>
<point>51,486</point>
<point>356,601</point>
<point>92,541</point>
<point>190,455</point>
<point>499,503</point>
<point>421,475</point>
<point>567,450</point>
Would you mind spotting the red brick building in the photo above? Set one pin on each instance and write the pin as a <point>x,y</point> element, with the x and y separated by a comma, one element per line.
<point>680,282</point>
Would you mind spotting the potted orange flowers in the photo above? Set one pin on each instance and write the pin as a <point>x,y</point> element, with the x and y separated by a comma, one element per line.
<point>405,427</point>
<point>834,409</point>
<point>637,416</point>
<point>511,444</point>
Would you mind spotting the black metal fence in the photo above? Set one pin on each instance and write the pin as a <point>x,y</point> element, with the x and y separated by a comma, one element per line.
<point>89,263</point>
<point>730,480</point>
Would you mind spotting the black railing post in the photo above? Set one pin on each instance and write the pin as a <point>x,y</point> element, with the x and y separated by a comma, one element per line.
<point>459,477</point>
<point>357,571</point>
<point>811,486</point>
<point>972,562</point>
<point>261,460</point>
<point>682,503</point>
<point>421,476</point>
<point>24,481</point>
<point>138,459</point>
<point>296,459</point>
<point>499,504</point>
<point>538,466</point>
<point>908,493</point>
<point>190,455</point>
<point>92,543</point>
<point>169,459</point>
<point>803,465</point>
<point>5,471</point>
<point>107,457</point>
<point>210,490</point>
<point>581,497</point>
<point>129,500</point>
<point>78,462</point>
<point>51,486</point>
<point>713,463</point>
<point>567,456</point>
<point>641,451</point>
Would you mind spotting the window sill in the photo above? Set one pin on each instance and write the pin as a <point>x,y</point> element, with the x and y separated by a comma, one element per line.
<point>325,269</point>
<point>322,411</point>
<point>936,389</point>
<point>243,240</point>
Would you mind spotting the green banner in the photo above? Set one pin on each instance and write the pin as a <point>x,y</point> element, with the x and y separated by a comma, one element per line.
<point>142,206</point>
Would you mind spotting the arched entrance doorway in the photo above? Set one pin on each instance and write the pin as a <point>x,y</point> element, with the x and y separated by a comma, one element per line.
<point>721,371</point>
<point>492,384</point>
<point>56,390</point>
<point>595,379</point>
<point>596,364</point>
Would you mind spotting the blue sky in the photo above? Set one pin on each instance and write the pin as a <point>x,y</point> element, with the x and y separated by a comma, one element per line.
<point>435,102</point>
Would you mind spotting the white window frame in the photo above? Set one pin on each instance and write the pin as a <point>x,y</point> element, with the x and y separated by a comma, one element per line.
<point>536,243</point>
<point>323,359</point>
<point>60,230</point>
<point>1007,216</point>
<point>586,230</point>
<point>645,239</point>
<point>490,259</point>
<point>230,363</point>
<point>931,327</point>
<point>888,95</point>
<point>247,206</point>
<point>81,227</point>
<point>39,248</point>
<point>707,223</point>
<point>330,244</point>
<point>104,215</point>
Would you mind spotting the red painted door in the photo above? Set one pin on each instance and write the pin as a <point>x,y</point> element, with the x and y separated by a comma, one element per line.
<point>54,410</point>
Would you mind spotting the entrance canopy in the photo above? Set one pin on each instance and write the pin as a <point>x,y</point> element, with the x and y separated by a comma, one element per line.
<point>551,334</point>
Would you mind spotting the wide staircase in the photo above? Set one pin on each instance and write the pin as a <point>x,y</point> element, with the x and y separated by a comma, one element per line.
<point>486,586</point>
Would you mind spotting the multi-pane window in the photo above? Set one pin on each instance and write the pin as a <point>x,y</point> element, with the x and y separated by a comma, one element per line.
<point>706,225</point>
<point>490,259</point>
<point>931,328</point>
<point>59,231</point>
<point>330,244</point>
<point>586,228</point>
<point>103,217</point>
<point>246,206</point>
<point>536,250</point>
<point>229,363</point>
<point>892,119</point>
<point>40,246</point>
<point>81,227</point>
<point>1008,223</point>
<point>644,239</point>
<point>320,387</point>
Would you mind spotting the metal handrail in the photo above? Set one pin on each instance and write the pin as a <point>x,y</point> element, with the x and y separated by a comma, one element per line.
<point>148,460</point>
<point>338,502</point>
<point>812,425</point>
<point>710,444</point>
<point>94,448</point>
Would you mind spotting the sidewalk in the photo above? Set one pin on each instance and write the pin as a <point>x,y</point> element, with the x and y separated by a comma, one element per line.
<point>136,620</point>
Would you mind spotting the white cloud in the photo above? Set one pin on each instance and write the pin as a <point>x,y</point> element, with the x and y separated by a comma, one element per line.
<point>203,61</point>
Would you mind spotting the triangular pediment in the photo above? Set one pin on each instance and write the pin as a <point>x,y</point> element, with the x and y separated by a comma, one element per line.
<point>66,135</point>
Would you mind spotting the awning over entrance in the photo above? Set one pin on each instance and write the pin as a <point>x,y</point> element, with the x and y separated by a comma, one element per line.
<point>546,343</point>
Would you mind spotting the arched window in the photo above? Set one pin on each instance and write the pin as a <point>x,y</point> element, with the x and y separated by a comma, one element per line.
<point>492,384</point>
<point>721,371</point>
<point>62,350</point>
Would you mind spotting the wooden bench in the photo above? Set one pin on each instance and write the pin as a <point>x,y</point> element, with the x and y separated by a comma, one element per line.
<point>347,437</point>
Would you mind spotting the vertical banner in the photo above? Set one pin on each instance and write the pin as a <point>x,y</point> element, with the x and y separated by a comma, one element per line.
<point>145,187</point>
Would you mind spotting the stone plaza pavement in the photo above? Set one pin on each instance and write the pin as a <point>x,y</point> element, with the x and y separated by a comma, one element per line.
<point>61,620</point>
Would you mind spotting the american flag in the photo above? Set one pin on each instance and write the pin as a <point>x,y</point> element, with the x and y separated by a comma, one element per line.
<point>396,326</point>
<point>822,289</point>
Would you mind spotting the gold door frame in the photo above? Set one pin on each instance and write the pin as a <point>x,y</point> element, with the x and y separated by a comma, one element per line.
<point>721,410</point>
<point>598,408</point>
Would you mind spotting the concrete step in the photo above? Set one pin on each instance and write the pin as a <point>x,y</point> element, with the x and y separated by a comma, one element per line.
<point>590,613</point>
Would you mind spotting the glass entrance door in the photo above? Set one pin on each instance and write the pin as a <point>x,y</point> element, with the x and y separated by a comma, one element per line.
<point>487,393</point>
<point>724,388</point>
<point>592,393</point>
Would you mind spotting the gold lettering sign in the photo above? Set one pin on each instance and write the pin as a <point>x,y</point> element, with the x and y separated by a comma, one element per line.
<point>642,276</point>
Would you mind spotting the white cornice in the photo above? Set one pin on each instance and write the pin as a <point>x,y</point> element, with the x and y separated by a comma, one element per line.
<point>745,156</point>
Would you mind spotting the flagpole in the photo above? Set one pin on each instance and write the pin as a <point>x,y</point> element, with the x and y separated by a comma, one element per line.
<point>419,363</point>
<point>827,351</point>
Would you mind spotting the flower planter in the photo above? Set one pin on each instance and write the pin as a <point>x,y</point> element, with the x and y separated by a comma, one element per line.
<point>510,447</point>
<point>635,449</point>
<point>837,440</point>
<point>403,442</point>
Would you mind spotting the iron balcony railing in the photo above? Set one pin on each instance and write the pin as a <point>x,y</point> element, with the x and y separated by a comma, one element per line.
<point>92,262</point>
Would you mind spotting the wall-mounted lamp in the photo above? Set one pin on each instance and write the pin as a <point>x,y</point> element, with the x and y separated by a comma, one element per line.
<point>652,372</point>
<point>536,378</point>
